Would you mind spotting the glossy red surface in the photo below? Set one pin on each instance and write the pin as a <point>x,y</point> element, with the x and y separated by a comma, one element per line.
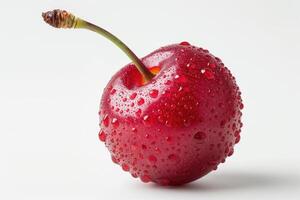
<point>179,126</point>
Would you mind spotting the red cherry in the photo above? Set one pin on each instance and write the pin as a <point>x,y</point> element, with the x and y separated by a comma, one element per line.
<point>199,109</point>
<point>170,117</point>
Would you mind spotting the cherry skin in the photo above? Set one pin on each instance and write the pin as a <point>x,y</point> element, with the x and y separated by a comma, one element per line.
<point>180,125</point>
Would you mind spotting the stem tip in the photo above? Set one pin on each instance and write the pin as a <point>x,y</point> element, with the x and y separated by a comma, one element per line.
<point>59,18</point>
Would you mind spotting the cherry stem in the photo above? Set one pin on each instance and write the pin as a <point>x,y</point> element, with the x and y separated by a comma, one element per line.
<point>64,19</point>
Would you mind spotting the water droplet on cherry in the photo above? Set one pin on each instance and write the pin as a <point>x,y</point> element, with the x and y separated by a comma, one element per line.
<point>241,106</point>
<point>102,136</point>
<point>114,159</point>
<point>237,139</point>
<point>141,101</point>
<point>231,151</point>
<point>200,136</point>
<point>152,158</point>
<point>211,65</point>
<point>134,130</point>
<point>133,95</point>
<point>125,167</point>
<point>113,91</point>
<point>144,147</point>
<point>168,139</point>
<point>185,43</point>
<point>115,122</point>
<point>208,74</point>
<point>173,157</point>
<point>146,118</point>
<point>145,178</point>
<point>139,112</point>
<point>105,121</point>
<point>153,93</point>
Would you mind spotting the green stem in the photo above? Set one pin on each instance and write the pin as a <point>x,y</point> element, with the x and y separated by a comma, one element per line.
<point>138,63</point>
<point>64,19</point>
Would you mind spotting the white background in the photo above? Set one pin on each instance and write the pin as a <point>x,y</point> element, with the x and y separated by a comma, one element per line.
<point>51,83</point>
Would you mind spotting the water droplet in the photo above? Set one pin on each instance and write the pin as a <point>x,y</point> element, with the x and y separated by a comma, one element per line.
<point>237,139</point>
<point>208,74</point>
<point>160,119</point>
<point>241,124</point>
<point>105,121</point>
<point>113,91</point>
<point>168,123</point>
<point>186,122</point>
<point>134,175</point>
<point>153,93</point>
<point>146,118</point>
<point>173,157</point>
<point>168,82</point>
<point>124,99</point>
<point>157,150</point>
<point>139,112</point>
<point>114,159</point>
<point>145,178</point>
<point>200,136</point>
<point>115,122</point>
<point>152,158</point>
<point>233,126</point>
<point>231,151</point>
<point>134,130</point>
<point>222,123</point>
<point>102,136</point>
<point>241,106</point>
<point>141,101</point>
<point>168,139</point>
<point>125,167</point>
<point>133,95</point>
<point>236,133</point>
<point>176,76</point>
<point>185,43</point>
<point>180,89</point>
<point>211,64</point>
<point>226,150</point>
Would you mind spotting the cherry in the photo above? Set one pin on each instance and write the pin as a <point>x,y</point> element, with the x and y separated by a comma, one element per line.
<point>170,117</point>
